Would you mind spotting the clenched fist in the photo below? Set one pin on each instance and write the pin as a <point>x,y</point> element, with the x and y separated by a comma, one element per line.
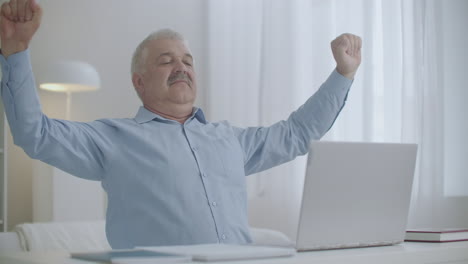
<point>347,53</point>
<point>19,20</point>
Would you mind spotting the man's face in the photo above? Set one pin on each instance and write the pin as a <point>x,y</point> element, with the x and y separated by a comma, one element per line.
<point>168,76</point>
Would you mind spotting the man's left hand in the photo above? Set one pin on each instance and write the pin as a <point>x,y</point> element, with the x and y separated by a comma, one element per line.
<point>346,50</point>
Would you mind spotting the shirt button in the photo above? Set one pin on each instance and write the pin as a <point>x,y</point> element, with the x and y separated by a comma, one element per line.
<point>194,149</point>
<point>223,237</point>
<point>203,175</point>
<point>214,203</point>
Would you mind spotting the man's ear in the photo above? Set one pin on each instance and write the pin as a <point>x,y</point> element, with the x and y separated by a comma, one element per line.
<point>138,83</point>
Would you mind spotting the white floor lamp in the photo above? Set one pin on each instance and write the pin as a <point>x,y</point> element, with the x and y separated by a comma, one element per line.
<point>69,77</point>
<point>58,196</point>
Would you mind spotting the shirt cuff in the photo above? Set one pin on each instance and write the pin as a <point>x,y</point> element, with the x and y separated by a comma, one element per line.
<point>338,81</point>
<point>13,67</point>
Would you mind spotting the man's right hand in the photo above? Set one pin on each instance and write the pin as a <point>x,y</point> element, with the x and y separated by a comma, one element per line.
<point>19,20</point>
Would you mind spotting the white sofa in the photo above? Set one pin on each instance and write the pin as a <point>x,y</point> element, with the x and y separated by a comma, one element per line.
<point>88,236</point>
<point>9,242</point>
<point>75,236</point>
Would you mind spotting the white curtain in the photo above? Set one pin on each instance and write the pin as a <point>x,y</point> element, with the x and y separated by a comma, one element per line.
<point>267,57</point>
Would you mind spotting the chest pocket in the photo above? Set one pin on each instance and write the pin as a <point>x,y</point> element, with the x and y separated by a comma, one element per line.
<point>226,160</point>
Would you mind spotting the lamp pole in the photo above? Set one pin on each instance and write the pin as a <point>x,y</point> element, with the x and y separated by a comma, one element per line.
<point>67,113</point>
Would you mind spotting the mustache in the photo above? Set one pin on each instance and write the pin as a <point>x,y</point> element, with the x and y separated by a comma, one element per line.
<point>179,76</point>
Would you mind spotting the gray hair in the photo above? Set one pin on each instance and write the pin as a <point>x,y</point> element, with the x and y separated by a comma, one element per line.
<point>141,52</point>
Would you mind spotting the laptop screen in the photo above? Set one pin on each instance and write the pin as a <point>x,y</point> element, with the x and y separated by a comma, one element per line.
<point>355,194</point>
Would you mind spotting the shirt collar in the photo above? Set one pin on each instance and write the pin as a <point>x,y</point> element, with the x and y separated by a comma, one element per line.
<point>144,115</point>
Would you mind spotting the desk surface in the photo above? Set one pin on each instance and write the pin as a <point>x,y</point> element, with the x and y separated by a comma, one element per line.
<point>414,253</point>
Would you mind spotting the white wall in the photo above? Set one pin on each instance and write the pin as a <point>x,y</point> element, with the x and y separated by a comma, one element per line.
<point>104,34</point>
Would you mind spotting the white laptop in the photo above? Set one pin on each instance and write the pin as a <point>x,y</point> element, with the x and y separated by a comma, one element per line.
<point>355,195</point>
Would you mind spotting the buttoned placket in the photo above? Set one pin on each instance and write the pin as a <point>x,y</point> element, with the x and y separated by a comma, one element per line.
<point>204,177</point>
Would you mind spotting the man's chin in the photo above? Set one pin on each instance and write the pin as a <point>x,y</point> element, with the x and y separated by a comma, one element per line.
<point>182,97</point>
<point>183,101</point>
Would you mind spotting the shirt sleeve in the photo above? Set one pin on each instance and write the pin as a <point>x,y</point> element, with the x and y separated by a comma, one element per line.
<point>266,147</point>
<point>71,146</point>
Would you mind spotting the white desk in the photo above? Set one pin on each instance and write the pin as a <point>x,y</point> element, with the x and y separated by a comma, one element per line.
<point>414,253</point>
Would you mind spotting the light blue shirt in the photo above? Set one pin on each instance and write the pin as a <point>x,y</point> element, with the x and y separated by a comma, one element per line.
<point>167,183</point>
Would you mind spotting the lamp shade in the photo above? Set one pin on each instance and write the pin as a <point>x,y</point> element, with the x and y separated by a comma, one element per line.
<point>69,76</point>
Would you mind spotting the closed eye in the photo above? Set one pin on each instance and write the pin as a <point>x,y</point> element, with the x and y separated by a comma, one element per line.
<point>165,60</point>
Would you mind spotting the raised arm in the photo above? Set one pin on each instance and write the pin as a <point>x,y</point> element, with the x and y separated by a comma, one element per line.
<point>266,147</point>
<point>74,147</point>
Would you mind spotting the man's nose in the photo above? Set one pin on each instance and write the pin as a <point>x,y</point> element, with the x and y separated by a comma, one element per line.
<point>180,66</point>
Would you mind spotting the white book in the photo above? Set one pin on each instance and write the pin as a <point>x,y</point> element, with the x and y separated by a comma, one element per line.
<point>437,235</point>
<point>224,252</point>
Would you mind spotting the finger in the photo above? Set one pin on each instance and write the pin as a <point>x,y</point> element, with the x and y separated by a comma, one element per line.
<point>28,11</point>
<point>360,47</point>
<point>6,10</point>
<point>348,43</point>
<point>36,11</point>
<point>6,29</point>
<point>14,10</point>
<point>20,6</point>
<point>343,42</point>
<point>357,47</point>
<point>2,10</point>
<point>359,43</point>
<point>353,45</point>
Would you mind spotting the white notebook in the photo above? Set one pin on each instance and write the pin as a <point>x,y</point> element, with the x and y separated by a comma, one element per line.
<point>224,252</point>
<point>437,235</point>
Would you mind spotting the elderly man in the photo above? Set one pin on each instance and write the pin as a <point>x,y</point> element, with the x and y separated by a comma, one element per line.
<point>171,176</point>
